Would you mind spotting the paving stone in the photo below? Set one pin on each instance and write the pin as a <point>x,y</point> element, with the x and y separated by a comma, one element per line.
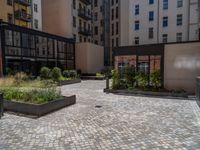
<point>123,122</point>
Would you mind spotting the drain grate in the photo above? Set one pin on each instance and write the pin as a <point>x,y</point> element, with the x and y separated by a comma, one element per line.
<point>98,106</point>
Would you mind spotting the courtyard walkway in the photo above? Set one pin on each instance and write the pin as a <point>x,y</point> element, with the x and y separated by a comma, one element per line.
<point>123,122</point>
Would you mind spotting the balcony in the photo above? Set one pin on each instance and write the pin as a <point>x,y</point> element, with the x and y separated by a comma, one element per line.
<point>85,31</point>
<point>84,14</point>
<point>87,2</point>
<point>23,2</point>
<point>21,15</point>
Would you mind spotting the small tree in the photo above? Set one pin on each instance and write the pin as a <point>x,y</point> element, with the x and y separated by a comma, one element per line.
<point>45,73</point>
<point>130,76</point>
<point>56,73</point>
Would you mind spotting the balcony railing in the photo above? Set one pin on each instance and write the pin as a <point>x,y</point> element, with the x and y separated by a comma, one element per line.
<point>23,16</point>
<point>85,31</point>
<point>84,14</point>
<point>87,2</point>
<point>23,2</point>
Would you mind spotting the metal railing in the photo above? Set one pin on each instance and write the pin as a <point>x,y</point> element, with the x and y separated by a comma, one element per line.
<point>1,105</point>
<point>23,2</point>
<point>84,14</point>
<point>19,14</point>
<point>87,2</point>
<point>84,31</point>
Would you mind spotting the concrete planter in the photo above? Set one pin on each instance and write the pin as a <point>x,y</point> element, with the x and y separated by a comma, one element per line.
<point>39,109</point>
<point>148,93</point>
<point>92,78</point>
<point>67,82</point>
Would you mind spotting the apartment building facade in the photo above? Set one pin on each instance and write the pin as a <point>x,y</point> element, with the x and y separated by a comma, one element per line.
<point>72,19</point>
<point>119,24</point>
<point>22,13</point>
<point>101,26</point>
<point>37,14</point>
<point>163,21</point>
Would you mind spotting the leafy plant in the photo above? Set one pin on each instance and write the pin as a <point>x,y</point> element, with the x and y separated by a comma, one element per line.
<point>36,96</point>
<point>107,71</point>
<point>142,79</point>
<point>45,73</point>
<point>155,79</point>
<point>115,79</point>
<point>66,73</point>
<point>73,73</point>
<point>56,73</point>
<point>129,75</point>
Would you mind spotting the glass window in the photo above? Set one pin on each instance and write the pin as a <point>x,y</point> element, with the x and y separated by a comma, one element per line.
<point>143,64</point>
<point>165,21</point>
<point>151,16</point>
<point>165,38</point>
<point>151,2</point>
<point>10,18</point>
<point>137,40</point>
<point>137,9</point>
<point>179,37</point>
<point>9,2</point>
<point>165,4</point>
<point>35,8</point>
<point>150,33</point>
<point>36,23</point>
<point>137,25</point>
<point>179,20</point>
<point>16,39</point>
<point>9,37</point>
<point>179,3</point>
<point>74,4</point>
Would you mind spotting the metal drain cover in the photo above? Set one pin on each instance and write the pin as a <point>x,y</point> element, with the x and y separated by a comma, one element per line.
<point>98,106</point>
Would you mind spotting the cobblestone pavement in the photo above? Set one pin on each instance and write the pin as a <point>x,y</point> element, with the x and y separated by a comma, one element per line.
<point>123,122</point>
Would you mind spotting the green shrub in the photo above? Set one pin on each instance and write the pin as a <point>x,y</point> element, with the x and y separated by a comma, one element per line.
<point>155,79</point>
<point>56,73</point>
<point>115,79</point>
<point>107,71</point>
<point>45,73</point>
<point>129,75</point>
<point>142,79</point>
<point>66,74</point>
<point>73,73</point>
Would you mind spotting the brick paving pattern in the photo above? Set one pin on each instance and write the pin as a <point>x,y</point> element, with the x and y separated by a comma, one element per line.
<point>123,122</point>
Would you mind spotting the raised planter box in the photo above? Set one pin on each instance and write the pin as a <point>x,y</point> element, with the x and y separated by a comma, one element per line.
<point>1,105</point>
<point>39,109</point>
<point>67,82</point>
<point>92,78</point>
<point>198,90</point>
<point>148,93</point>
